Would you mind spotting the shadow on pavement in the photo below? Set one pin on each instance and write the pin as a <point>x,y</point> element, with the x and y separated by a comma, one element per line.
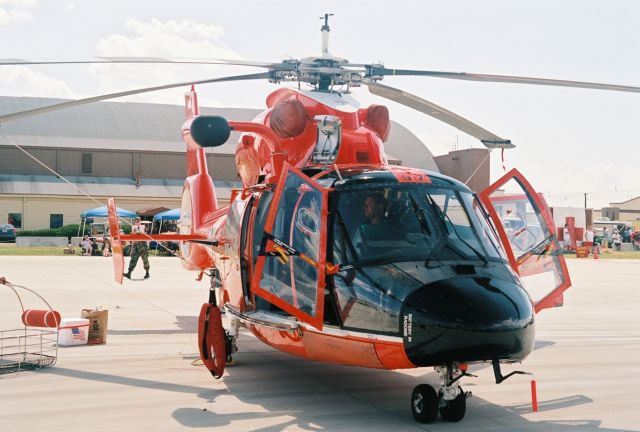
<point>288,392</point>
<point>186,324</point>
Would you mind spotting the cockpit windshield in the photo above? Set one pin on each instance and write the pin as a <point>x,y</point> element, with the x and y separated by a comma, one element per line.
<point>393,223</point>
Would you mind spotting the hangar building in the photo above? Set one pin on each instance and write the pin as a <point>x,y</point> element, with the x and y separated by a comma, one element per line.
<point>131,151</point>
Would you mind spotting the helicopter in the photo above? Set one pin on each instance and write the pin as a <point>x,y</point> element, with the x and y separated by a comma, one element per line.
<point>330,253</point>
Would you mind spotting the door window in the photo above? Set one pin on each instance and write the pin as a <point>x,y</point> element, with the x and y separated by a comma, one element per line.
<point>527,232</point>
<point>290,265</point>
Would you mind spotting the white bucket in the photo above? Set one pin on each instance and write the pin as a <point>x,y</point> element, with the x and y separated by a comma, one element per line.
<point>73,331</point>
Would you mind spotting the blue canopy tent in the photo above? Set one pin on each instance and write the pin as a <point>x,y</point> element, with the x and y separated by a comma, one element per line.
<point>102,212</point>
<point>168,215</point>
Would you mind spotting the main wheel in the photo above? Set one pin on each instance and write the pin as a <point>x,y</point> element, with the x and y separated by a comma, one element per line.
<point>454,410</point>
<point>424,403</point>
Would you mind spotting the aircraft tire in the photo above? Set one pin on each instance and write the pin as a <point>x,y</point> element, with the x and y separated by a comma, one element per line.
<point>424,404</point>
<point>454,410</point>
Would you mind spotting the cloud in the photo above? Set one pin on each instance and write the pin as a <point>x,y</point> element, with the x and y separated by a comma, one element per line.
<point>165,39</point>
<point>22,81</point>
<point>12,11</point>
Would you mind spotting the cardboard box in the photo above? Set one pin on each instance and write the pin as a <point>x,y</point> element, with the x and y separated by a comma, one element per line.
<point>98,319</point>
<point>73,331</point>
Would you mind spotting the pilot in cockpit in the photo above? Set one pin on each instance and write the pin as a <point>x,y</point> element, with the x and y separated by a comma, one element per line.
<point>378,230</point>
<point>374,207</point>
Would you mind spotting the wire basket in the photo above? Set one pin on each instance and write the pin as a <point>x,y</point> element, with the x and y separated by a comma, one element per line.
<point>27,348</point>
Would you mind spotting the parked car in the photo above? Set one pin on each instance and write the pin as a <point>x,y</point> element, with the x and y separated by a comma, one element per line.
<point>7,233</point>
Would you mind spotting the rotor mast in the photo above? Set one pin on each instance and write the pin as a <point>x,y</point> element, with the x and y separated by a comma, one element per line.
<point>324,30</point>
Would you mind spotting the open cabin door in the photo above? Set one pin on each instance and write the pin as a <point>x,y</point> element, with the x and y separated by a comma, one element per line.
<point>290,270</point>
<point>525,226</point>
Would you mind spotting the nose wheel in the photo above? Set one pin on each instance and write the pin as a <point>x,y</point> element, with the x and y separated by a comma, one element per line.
<point>450,400</point>
<point>455,409</point>
<point>424,403</point>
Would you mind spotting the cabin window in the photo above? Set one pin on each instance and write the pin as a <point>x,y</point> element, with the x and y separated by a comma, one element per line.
<point>307,221</point>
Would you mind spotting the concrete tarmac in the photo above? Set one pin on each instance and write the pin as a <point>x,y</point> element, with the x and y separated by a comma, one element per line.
<point>586,364</point>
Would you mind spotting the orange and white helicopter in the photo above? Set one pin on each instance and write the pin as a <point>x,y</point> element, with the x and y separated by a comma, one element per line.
<point>331,254</point>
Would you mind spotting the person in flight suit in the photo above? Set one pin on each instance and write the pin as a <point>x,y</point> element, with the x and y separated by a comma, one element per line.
<point>376,229</point>
<point>139,249</point>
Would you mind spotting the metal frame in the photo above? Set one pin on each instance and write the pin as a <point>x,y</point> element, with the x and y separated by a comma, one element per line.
<point>27,348</point>
<point>550,300</point>
<point>317,320</point>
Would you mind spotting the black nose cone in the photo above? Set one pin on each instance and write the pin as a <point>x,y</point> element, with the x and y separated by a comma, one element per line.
<point>467,319</point>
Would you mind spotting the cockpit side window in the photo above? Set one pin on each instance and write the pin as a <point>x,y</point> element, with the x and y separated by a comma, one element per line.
<point>363,300</point>
<point>372,226</point>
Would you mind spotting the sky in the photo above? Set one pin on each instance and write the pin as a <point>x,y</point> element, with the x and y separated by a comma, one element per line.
<point>569,141</point>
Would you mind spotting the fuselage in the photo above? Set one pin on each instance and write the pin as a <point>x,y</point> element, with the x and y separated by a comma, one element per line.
<point>311,272</point>
<point>423,291</point>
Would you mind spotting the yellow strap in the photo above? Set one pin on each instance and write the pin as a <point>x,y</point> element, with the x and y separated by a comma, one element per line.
<point>282,255</point>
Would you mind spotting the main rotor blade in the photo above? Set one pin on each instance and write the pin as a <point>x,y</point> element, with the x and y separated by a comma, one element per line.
<point>78,102</point>
<point>487,138</point>
<point>506,79</point>
<point>138,60</point>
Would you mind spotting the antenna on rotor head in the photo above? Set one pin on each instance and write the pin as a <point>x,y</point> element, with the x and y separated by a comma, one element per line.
<point>325,29</point>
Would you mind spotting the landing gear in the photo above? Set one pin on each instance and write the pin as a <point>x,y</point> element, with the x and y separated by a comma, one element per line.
<point>450,400</point>
<point>424,404</point>
<point>230,347</point>
<point>230,339</point>
<point>454,410</point>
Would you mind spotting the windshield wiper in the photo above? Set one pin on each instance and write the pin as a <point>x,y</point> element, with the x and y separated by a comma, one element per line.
<point>345,235</point>
<point>443,219</point>
<point>420,214</point>
<point>436,208</point>
<point>475,251</point>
